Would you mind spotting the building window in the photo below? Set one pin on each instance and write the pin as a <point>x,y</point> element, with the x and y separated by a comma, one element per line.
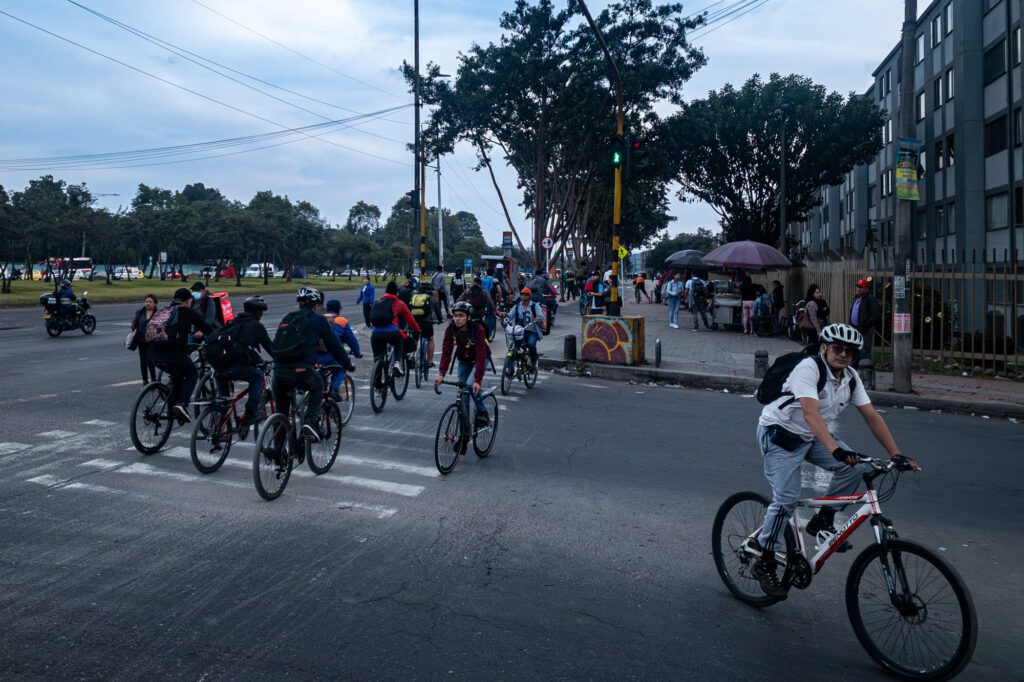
<point>1017,122</point>
<point>888,81</point>
<point>940,221</point>
<point>989,4</point>
<point>949,18</point>
<point>950,149</point>
<point>994,62</point>
<point>937,92</point>
<point>949,85</point>
<point>1018,206</point>
<point>919,52</point>
<point>872,196</point>
<point>951,219</point>
<point>995,211</point>
<point>888,131</point>
<point>922,163</point>
<point>939,156</point>
<point>921,225</point>
<point>995,136</point>
<point>937,31</point>
<point>920,106</point>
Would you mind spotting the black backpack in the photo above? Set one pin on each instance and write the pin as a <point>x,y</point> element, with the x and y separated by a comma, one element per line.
<point>699,290</point>
<point>222,349</point>
<point>770,388</point>
<point>290,340</point>
<point>382,313</point>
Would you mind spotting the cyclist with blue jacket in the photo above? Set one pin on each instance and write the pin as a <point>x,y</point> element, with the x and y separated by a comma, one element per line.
<point>343,330</point>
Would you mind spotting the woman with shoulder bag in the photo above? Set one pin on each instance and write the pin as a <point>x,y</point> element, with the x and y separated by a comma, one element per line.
<point>815,315</point>
<point>138,338</point>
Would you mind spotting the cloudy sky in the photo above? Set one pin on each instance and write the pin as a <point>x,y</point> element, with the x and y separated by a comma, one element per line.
<point>323,60</point>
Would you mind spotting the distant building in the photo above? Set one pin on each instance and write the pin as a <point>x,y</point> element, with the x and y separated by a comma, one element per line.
<point>968,86</point>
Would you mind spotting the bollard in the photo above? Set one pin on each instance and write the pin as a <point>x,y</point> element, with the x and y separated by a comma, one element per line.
<point>569,348</point>
<point>866,370</point>
<point>657,352</point>
<point>760,363</point>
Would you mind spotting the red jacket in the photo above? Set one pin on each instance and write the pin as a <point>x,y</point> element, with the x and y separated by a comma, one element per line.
<point>402,311</point>
<point>466,349</point>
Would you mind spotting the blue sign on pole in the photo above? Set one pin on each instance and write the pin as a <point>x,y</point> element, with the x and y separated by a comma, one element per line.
<point>467,265</point>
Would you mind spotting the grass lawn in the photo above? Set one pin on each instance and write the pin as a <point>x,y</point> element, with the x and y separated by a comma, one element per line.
<point>27,293</point>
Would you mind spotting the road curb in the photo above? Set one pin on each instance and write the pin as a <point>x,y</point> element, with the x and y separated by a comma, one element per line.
<point>718,382</point>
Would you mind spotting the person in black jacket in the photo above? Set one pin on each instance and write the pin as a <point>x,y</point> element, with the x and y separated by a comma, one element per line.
<point>139,322</point>
<point>252,336</point>
<point>865,316</point>
<point>778,303</point>
<point>172,355</point>
<point>301,374</point>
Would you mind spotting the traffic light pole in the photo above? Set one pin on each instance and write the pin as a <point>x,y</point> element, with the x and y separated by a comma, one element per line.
<point>902,346</point>
<point>614,306</point>
<point>417,152</point>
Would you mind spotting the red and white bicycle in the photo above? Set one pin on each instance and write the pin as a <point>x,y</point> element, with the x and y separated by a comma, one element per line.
<point>909,608</point>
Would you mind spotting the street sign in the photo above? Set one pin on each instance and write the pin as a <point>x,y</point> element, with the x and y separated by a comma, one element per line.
<point>547,242</point>
<point>467,264</point>
<point>506,240</point>
<point>163,256</point>
<point>623,252</point>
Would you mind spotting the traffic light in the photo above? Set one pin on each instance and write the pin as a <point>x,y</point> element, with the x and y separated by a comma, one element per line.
<point>637,148</point>
<point>414,199</point>
<point>618,152</point>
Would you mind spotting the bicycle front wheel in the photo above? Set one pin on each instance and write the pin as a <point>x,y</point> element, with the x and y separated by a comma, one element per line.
<point>450,441</point>
<point>740,517</point>
<point>205,392</point>
<point>483,439</point>
<point>210,451</point>
<point>271,465</point>
<point>508,371</point>
<point>529,373</point>
<point>348,399</point>
<point>379,386</point>
<point>399,385</point>
<point>926,627</point>
<point>416,364</point>
<point>321,455</point>
<point>150,426</point>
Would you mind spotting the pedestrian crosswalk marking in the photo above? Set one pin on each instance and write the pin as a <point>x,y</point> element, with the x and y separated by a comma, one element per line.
<point>56,434</point>
<point>389,466</point>
<point>403,489</point>
<point>98,422</point>
<point>48,480</point>
<point>146,470</point>
<point>11,448</point>
<point>381,512</point>
<point>102,463</point>
<point>137,382</point>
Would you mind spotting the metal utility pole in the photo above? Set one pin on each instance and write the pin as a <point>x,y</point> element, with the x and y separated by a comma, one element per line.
<point>782,179</point>
<point>416,153</point>
<point>440,218</point>
<point>902,339</point>
<point>614,306</point>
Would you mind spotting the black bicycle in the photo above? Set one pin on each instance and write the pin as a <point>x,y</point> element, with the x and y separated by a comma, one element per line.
<point>219,424</point>
<point>517,361</point>
<point>384,379</point>
<point>422,362</point>
<point>151,421</point>
<point>455,429</point>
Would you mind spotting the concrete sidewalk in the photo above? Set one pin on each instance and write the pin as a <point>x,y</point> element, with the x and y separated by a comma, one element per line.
<point>724,359</point>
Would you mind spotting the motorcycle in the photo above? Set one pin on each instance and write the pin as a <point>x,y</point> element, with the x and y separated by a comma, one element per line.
<point>59,320</point>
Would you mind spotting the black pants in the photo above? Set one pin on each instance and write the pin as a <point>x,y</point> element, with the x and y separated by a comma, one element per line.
<point>442,295</point>
<point>366,313</point>
<point>379,342</point>
<point>302,378</point>
<point>183,374</point>
<point>146,364</point>
<point>251,375</point>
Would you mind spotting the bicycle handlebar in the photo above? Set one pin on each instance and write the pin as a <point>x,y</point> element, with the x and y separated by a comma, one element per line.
<point>883,467</point>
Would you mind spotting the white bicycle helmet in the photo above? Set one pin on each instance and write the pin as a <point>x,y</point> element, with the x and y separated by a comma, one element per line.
<point>842,333</point>
<point>310,295</point>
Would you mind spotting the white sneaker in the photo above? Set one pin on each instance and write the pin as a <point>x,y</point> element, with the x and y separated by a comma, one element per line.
<point>674,326</point>
<point>398,370</point>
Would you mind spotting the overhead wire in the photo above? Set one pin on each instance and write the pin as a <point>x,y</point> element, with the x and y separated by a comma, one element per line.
<point>191,91</point>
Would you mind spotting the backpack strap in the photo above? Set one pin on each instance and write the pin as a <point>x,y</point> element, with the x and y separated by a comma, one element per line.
<point>822,379</point>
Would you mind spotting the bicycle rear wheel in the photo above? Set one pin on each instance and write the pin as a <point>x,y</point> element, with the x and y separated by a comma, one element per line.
<point>508,370</point>
<point>271,465</point>
<point>927,627</point>
<point>209,451</point>
<point>450,441</point>
<point>205,392</point>
<point>740,517</point>
<point>416,366</point>
<point>150,426</point>
<point>529,373</point>
<point>321,455</point>
<point>483,439</point>
<point>379,386</point>
<point>348,399</point>
<point>399,385</point>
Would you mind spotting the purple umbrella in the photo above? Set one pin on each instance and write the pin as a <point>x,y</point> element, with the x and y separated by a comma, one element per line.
<point>749,255</point>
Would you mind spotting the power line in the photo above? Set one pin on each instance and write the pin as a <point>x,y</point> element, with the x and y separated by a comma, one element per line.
<point>726,19</point>
<point>189,90</point>
<point>296,52</point>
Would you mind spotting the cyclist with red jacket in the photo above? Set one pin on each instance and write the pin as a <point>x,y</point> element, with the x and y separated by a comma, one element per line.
<point>390,318</point>
<point>466,342</point>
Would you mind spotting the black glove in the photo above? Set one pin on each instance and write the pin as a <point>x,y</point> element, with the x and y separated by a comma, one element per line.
<point>360,356</point>
<point>351,368</point>
<point>904,463</point>
<point>847,456</point>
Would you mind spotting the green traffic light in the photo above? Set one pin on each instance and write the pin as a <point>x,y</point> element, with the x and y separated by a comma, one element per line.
<point>617,158</point>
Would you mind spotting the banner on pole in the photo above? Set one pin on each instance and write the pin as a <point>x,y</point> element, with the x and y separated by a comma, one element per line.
<point>901,323</point>
<point>907,156</point>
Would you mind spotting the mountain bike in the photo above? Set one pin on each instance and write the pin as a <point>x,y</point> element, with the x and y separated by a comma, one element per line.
<point>909,608</point>
<point>151,422</point>
<point>517,361</point>
<point>455,428</point>
<point>220,423</point>
<point>279,446</point>
<point>383,379</point>
<point>422,362</point>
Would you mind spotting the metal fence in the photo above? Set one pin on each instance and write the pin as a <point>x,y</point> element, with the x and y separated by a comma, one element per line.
<point>967,308</point>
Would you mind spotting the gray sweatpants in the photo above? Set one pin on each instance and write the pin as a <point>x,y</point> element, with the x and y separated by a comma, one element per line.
<point>782,469</point>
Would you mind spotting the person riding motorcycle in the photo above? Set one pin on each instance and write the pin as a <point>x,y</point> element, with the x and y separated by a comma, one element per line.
<point>252,336</point>
<point>343,330</point>
<point>65,293</point>
<point>529,315</point>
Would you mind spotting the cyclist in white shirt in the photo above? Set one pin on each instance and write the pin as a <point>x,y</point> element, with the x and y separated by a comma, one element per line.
<point>802,424</point>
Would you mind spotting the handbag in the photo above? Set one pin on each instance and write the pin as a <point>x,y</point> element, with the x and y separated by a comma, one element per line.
<point>131,341</point>
<point>805,324</point>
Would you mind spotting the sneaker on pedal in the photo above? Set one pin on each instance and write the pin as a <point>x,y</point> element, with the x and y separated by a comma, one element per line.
<point>397,369</point>
<point>182,414</point>
<point>334,394</point>
<point>247,419</point>
<point>482,421</point>
<point>764,569</point>
<point>819,524</point>
<point>309,432</point>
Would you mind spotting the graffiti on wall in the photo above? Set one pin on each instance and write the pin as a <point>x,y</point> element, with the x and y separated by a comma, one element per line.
<point>611,340</point>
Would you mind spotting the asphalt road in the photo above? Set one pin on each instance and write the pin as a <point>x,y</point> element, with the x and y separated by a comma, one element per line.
<point>580,549</point>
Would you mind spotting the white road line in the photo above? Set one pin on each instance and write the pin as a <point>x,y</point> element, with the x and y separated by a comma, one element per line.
<point>93,488</point>
<point>390,466</point>
<point>394,432</point>
<point>47,480</point>
<point>402,489</point>
<point>593,386</point>
<point>99,422</point>
<point>101,463</point>
<point>381,512</point>
<point>56,434</point>
<point>137,382</point>
<point>146,470</point>
<point>11,448</point>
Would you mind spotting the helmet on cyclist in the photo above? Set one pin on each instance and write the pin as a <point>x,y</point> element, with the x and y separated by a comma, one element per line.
<point>463,307</point>
<point>842,333</point>
<point>255,305</point>
<point>526,292</point>
<point>309,296</point>
<point>65,282</point>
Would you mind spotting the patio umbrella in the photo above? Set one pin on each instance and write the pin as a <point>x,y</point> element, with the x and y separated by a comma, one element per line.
<point>750,255</point>
<point>687,258</point>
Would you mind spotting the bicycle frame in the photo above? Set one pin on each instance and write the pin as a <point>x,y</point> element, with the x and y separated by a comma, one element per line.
<point>869,508</point>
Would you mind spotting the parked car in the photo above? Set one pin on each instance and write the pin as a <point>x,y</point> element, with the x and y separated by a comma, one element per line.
<point>81,273</point>
<point>256,270</point>
<point>127,272</point>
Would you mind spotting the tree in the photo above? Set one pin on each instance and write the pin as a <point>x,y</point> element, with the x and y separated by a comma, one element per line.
<point>727,151</point>
<point>363,219</point>
<point>702,241</point>
<point>541,99</point>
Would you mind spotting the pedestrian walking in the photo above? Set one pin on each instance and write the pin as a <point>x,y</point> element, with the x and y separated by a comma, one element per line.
<point>595,291</point>
<point>570,284</point>
<point>458,285</point>
<point>438,282</point>
<point>674,292</point>
<point>367,295</point>
<point>866,316</point>
<point>816,313</point>
<point>697,300</point>
<point>748,294</point>
<point>139,321</point>
<point>778,303</point>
